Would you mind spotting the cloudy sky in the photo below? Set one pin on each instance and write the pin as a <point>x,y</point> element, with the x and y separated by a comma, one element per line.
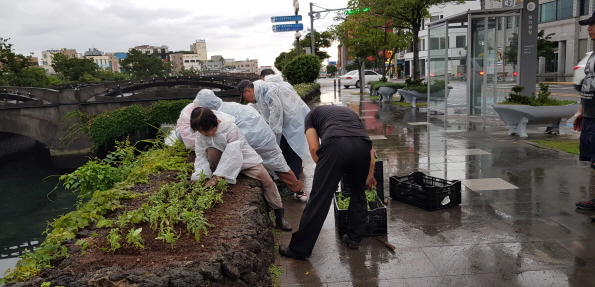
<point>237,29</point>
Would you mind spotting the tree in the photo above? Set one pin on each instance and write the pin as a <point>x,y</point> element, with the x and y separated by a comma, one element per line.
<point>109,75</point>
<point>545,47</point>
<point>36,77</point>
<point>140,65</point>
<point>74,69</point>
<point>403,14</point>
<point>331,70</point>
<point>283,59</point>
<point>369,38</point>
<point>11,64</point>
<point>321,40</point>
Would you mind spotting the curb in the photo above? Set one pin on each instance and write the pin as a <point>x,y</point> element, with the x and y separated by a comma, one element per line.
<point>557,83</point>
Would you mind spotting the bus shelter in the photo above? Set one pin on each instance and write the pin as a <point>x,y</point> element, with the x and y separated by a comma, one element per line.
<point>473,62</point>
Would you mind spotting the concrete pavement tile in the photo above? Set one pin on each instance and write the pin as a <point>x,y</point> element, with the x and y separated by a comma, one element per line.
<point>562,277</point>
<point>528,210</point>
<point>582,248</point>
<point>537,229</point>
<point>487,184</point>
<point>501,257</point>
<point>580,224</point>
<point>453,281</point>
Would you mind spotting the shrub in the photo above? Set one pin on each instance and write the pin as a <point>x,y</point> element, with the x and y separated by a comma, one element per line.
<point>374,85</point>
<point>304,89</point>
<point>302,69</point>
<point>542,98</point>
<point>166,112</point>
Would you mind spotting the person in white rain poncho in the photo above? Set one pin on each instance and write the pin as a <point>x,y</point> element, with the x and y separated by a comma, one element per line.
<point>285,112</point>
<point>268,75</point>
<point>183,130</point>
<point>222,152</point>
<point>257,133</point>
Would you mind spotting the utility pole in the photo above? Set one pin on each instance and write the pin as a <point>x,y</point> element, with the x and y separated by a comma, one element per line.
<point>296,8</point>
<point>316,14</point>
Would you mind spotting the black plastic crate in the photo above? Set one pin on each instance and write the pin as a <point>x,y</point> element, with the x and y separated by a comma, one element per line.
<point>427,192</point>
<point>378,175</point>
<point>376,219</point>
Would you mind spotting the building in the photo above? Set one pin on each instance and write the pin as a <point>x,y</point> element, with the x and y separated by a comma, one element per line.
<point>103,61</point>
<point>34,62</point>
<point>48,55</point>
<point>160,51</point>
<point>186,61</point>
<point>200,48</point>
<point>571,41</point>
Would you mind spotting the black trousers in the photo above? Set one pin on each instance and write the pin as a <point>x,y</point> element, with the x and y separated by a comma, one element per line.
<point>587,141</point>
<point>337,156</point>
<point>294,161</point>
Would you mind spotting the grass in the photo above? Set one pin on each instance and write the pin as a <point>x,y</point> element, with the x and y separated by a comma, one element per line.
<point>275,271</point>
<point>567,145</point>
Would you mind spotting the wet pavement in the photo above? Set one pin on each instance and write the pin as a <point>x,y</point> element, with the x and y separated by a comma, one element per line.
<point>516,226</point>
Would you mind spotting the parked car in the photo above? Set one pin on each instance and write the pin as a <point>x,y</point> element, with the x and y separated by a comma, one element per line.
<point>579,72</point>
<point>351,78</point>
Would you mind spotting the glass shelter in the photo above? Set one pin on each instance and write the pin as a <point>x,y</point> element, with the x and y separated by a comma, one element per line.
<point>472,63</point>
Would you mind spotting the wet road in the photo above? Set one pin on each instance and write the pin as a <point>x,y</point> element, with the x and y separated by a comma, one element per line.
<point>516,226</point>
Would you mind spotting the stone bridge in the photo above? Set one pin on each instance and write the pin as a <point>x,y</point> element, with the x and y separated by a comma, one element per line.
<point>37,112</point>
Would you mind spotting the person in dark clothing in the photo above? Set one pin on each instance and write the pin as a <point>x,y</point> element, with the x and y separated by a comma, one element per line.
<point>347,150</point>
<point>584,119</point>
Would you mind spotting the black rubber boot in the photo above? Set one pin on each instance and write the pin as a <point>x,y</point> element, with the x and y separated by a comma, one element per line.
<point>281,223</point>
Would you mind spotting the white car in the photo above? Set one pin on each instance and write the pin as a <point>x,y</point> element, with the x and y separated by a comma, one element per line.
<point>351,78</point>
<point>579,72</point>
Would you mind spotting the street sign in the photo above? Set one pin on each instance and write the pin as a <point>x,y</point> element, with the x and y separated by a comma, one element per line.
<point>292,18</point>
<point>288,27</point>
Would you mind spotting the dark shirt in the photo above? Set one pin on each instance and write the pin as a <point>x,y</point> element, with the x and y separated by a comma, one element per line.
<point>335,121</point>
<point>588,89</point>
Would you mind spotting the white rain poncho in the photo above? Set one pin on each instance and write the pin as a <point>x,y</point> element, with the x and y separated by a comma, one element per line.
<point>278,79</point>
<point>256,131</point>
<point>183,126</point>
<point>237,153</point>
<point>285,112</point>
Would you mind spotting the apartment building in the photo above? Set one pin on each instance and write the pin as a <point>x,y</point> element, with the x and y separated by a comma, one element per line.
<point>48,55</point>
<point>186,61</point>
<point>106,61</point>
<point>161,51</point>
<point>199,47</point>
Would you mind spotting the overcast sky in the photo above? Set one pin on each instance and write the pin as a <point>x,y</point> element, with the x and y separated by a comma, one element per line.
<point>237,29</point>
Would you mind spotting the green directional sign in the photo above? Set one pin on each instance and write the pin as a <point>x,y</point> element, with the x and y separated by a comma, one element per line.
<point>347,12</point>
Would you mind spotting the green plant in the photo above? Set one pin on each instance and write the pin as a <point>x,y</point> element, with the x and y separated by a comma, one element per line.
<point>302,69</point>
<point>275,272</point>
<point>342,201</point>
<point>165,112</point>
<point>168,235</point>
<point>83,244</point>
<point>375,85</point>
<point>371,194</point>
<point>305,88</point>
<point>134,237</point>
<point>542,98</point>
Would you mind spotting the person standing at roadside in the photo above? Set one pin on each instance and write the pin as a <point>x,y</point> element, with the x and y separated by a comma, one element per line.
<point>346,150</point>
<point>584,119</point>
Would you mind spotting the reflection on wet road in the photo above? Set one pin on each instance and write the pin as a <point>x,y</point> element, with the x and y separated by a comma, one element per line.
<point>516,226</point>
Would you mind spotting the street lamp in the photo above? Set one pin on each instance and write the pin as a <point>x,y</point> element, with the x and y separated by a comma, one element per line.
<point>297,42</point>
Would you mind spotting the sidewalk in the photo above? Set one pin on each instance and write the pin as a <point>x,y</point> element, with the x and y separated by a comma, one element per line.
<point>516,226</point>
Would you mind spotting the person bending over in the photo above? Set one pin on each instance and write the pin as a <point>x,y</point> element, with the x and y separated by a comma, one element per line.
<point>222,152</point>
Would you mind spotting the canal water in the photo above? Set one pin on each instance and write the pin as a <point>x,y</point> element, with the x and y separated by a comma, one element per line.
<point>30,197</point>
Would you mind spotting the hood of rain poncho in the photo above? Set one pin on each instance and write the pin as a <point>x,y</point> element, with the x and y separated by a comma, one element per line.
<point>207,99</point>
<point>183,128</point>
<point>277,79</point>
<point>284,111</point>
<point>256,131</point>
<point>236,152</point>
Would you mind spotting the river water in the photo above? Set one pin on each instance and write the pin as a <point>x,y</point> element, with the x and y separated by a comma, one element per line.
<point>28,200</point>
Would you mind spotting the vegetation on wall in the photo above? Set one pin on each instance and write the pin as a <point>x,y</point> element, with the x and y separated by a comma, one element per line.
<point>105,128</point>
<point>102,184</point>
